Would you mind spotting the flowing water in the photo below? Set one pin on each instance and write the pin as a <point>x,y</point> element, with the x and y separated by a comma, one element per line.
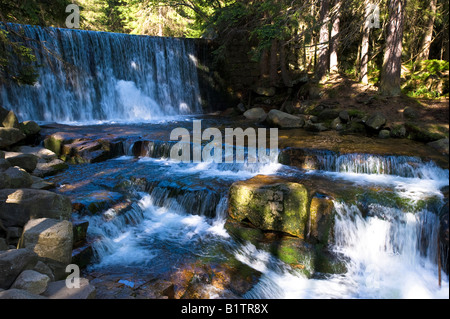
<point>389,251</point>
<point>105,77</point>
<point>176,212</point>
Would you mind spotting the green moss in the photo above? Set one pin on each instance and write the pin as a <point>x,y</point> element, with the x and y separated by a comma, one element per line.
<point>356,114</point>
<point>53,144</point>
<point>278,207</point>
<point>422,133</point>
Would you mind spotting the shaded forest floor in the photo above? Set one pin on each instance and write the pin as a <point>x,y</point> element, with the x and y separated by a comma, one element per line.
<point>350,94</point>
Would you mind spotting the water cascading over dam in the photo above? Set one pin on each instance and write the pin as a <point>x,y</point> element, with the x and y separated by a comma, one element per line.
<point>99,76</point>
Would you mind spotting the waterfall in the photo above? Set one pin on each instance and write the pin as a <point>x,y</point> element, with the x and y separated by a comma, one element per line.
<point>404,166</point>
<point>390,255</point>
<point>99,76</point>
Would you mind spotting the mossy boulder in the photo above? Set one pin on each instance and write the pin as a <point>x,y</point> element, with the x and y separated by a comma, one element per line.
<point>376,121</point>
<point>30,128</point>
<point>10,136</point>
<point>423,133</point>
<point>398,131</point>
<point>270,203</point>
<point>308,259</point>
<point>8,119</point>
<point>322,213</point>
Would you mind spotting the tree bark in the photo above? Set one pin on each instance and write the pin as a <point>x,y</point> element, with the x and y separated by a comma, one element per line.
<point>392,62</point>
<point>274,63</point>
<point>283,65</point>
<point>363,74</point>
<point>424,52</point>
<point>364,55</point>
<point>334,39</point>
<point>324,38</point>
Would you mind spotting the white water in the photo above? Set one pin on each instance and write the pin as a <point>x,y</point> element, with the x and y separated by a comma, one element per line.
<point>404,166</point>
<point>383,261</point>
<point>389,254</point>
<point>106,77</point>
<point>134,239</point>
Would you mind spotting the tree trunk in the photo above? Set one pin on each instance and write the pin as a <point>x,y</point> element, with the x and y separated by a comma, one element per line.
<point>264,65</point>
<point>334,39</point>
<point>363,74</point>
<point>274,63</point>
<point>392,62</point>
<point>364,56</point>
<point>283,65</point>
<point>324,38</point>
<point>424,52</point>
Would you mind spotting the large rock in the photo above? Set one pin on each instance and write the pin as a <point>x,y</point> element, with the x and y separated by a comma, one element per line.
<point>80,228</point>
<point>440,145</point>
<point>41,184</point>
<point>8,119</point>
<point>50,239</point>
<point>55,141</point>
<point>59,290</point>
<point>50,168</point>
<point>19,294</point>
<point>13,262</point>
<point>44,155</point>
<point>30,128</point>
<point>423,132</point>
<point>18,206</point>
<point>4,164</point>
<point>82,256</point>
<point>18,178</point>
<point>3,244</point>
<point>321,221</point>
<point>5,181</point>
<point>284,120</point>
<point>31,281</point>
<point>410,113</point>
<point>86,151</point>
<point>268,92</point>
<point>42,268</point>
<point>256,114</point>
<point>26,161</point>
<point>315,127</point>
<point>10,136</point>
<point>384,134</point>
<point>270,203</point>
<point>376,121</point>
<point>328,114</point>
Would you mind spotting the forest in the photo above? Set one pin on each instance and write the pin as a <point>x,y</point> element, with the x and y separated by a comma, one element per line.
<point>224,149</point>
<point>374,42</point>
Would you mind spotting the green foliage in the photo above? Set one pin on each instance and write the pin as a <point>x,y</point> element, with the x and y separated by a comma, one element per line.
<point>22,70</point>
<point>37,12</point>
<point>428,78</point>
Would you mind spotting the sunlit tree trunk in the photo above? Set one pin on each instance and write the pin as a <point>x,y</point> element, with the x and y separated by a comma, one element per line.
<point>335,38</point>
<point>324,38</point>
<point>364,55</point>
<point>391,70</point>
<point>426,41</point>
